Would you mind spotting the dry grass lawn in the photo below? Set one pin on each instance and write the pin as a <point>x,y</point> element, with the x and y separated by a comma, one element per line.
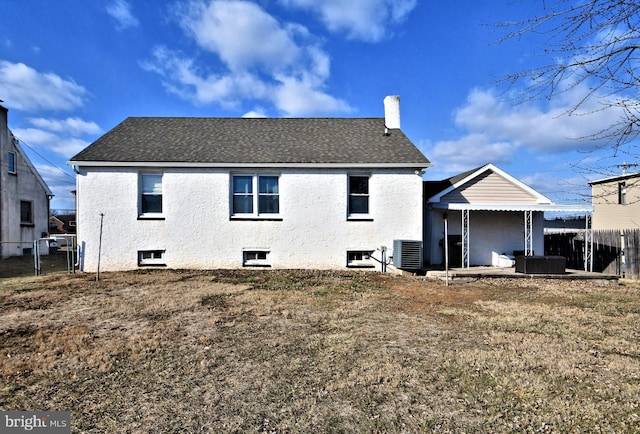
<point>297,351</point>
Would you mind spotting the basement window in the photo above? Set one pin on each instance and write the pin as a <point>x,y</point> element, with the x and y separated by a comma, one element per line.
<point>360,259</point>
<point>255,258</point>
<point>151,258</point>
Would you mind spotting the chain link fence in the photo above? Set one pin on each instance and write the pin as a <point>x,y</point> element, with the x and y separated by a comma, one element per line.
<point>55,254</point>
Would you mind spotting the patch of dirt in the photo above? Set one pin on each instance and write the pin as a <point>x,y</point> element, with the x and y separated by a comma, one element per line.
<point>430,296</point>
<point>305,351</point>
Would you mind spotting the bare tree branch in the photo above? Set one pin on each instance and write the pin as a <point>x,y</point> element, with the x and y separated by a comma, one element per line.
<point>593,45</point>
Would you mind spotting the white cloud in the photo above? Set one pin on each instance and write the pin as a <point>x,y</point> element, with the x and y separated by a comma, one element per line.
<point>71,126</point>
<point>24,88</point>
<point>257,113</point>
<point>61,184</point>
<point>69,147</point>
<point>366,20</point>
<point>37,138</point>
<point>471,150</point>
<point>494,130</point>
<point>34,136</point>
<point>182,77</point>
<point>242,34</point>
<point>301,97</point>
<point>263,61</point>
<point>120,10</point>
<point>548,129</point>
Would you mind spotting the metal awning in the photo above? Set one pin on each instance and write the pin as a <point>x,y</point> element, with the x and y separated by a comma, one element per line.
<point>528,211</point>
<point>547,207</point>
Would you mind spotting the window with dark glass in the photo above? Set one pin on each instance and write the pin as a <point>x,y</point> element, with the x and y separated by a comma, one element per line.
<point>242,194</point>
<point>11,163</point>
<point>255,195</point>
<point>622,193</point>
<point>151,257</point>
<point>26,212</point>
<point>358,195</point>
<point>360,258</point>
<point>150,193</point>
<point>255,258</point>
<point>268,197</point>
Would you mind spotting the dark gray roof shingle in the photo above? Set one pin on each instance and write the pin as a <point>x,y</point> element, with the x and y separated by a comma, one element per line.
<point>253,140</point>
<point>431,188</point>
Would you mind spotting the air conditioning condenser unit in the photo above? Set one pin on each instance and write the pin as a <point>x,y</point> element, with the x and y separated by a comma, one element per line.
<point>407,254</point>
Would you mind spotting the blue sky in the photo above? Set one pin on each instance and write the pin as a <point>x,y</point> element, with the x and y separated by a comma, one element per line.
<point>71,70</point>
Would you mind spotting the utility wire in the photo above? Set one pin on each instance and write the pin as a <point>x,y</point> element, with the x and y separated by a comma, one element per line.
<point>45,159</point>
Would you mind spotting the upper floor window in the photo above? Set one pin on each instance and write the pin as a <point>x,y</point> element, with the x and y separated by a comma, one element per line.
<point>622,193</point>
<point>150,193</point>
<point>26,212</point>
<point>255,195</point>
<point>11,163</point>
<point>358,195</point>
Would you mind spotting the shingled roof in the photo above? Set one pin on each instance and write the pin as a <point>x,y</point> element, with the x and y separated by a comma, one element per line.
<point>268,141</point>
<point>431,188</point>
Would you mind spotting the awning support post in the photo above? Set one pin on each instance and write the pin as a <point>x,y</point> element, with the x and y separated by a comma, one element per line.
<point>528,233</point>
<point>465,238</point>
<point>588,243</point>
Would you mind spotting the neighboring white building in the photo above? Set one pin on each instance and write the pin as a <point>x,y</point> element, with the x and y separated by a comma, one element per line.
<point>24,197</point>
<point>489,214</point>
<point>232,192</point>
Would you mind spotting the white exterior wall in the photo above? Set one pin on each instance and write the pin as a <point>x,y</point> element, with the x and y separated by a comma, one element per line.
<point>489,231</point>
<point>198,232</point>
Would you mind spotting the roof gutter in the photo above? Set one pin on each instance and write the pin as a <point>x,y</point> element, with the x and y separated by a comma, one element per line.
<point>173,164</point>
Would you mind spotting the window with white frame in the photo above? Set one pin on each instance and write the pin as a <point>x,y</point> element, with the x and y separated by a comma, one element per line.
<point>360,259</point>
<point>358,195</point>
<point>150,194</point>
<point>151,257</point>
<point>255,195</point>
<point>11,163</point>
<point>26,212</point>
<point>255,258</point>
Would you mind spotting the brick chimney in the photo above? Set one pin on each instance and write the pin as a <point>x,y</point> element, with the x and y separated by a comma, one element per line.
<point>392,112</point>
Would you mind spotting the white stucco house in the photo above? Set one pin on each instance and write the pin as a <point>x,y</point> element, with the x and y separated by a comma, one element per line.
<point>209,193</point>
<point>490,215</point>
<point>24,196</point>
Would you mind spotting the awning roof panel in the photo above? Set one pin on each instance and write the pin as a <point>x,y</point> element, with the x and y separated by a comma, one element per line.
<point>514,207</point>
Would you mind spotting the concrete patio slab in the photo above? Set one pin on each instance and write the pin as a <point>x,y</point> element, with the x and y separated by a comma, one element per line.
<point>509,272</point>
